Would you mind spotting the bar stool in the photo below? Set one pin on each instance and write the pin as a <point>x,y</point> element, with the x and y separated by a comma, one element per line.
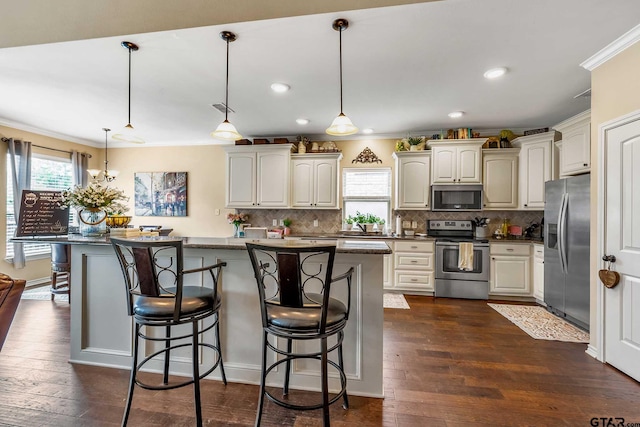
<point>294,284</point>
<point>60,269</point>
<point>156,297</point>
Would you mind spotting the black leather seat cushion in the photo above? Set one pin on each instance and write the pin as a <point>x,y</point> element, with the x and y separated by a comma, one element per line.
<point>307,317</point>
<point>195,300</point>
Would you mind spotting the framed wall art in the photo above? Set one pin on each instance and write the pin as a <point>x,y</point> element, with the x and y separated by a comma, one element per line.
<point>161,193</point>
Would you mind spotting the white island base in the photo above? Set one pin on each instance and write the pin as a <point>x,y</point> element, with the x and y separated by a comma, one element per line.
<point>102,332</point>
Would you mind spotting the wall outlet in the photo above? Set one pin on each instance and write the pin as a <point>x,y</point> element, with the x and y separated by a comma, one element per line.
<point>281,222</point>
<point>275,222</point>
<point>315,222</point>
<point>414,224</point>
<point>216,211</point>
<point>406,224</point>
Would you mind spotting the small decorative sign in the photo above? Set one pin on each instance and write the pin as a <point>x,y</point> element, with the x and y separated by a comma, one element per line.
<point>41,214</point>
<point>535,131</point>
<point>366,156</point>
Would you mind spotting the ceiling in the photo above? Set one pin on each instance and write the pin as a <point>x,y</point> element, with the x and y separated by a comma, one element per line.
<point>405,68</point>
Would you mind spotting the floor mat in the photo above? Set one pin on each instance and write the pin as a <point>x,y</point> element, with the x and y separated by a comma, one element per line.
<point>540,324</point>
<point>42,293</point>
<point>395,301</point>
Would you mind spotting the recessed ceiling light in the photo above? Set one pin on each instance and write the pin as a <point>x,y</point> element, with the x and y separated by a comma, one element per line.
<point>280,87</point>
<point>367,130</point>
<point>302,121</point>
<point>494,73</point>
<point>455,114</point>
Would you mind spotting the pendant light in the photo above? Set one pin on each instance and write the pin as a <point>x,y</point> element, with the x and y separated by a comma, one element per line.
<point>341,125</point>
<point>128,134</point>
<point>107,175</point>
<point>225,130</point>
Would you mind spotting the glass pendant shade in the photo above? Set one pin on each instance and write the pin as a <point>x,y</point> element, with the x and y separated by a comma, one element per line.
<point>341,125</point>
<point>226,131</point>
<point>127,134</point>
<point>107,174</point>
<point>94,174</point>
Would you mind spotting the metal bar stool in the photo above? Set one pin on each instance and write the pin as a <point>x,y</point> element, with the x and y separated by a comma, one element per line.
<point>294,284</point>
<point>156,297</point>
<point>60,270</point>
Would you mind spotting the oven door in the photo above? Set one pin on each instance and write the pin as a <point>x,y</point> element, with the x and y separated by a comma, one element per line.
<point>447,262</point>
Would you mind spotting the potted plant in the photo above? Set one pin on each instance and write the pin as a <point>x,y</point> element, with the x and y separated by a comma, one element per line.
<point>287,223</point>
<point>414,143</point>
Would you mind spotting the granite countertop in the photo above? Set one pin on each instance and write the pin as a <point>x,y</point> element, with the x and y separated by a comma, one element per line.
<point>353,246</point>
<point>357,236</point>
<point>511,240</point>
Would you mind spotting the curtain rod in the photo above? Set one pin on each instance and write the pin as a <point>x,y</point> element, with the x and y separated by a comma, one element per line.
<point>49,148</point>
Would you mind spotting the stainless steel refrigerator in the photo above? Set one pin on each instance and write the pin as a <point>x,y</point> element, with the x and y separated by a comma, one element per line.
<point>566,252</point>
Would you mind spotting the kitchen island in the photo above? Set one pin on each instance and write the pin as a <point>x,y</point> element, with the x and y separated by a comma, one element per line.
<point>102,332</point>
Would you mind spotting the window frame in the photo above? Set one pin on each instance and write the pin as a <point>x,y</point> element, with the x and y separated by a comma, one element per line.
<point>387,199</point>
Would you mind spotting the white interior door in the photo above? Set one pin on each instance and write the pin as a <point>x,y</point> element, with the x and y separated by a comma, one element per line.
<point>622,240</point>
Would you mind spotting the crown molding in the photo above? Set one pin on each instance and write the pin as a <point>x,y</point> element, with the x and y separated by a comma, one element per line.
<point>621,43</point>
<point>43,132</point>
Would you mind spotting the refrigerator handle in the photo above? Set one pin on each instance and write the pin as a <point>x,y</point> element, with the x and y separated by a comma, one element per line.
<point>562,222</point>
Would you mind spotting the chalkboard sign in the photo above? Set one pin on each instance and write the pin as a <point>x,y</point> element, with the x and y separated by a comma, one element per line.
<point>40,214</point>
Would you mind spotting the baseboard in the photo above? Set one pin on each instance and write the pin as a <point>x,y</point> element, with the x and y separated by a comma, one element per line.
<point>592,351</point>
<point>36,283</point>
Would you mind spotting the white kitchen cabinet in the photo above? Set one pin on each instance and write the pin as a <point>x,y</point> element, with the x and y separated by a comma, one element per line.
<point>500,178</point>
<point>456,161</point>
<point>537,164</point>
<point>257,177</point>
<point>413,263</point>
<point>315,180</point>
<point>575,145</point>
<point>412,179</point>
<point>510,269</point>
<point>538,272</point>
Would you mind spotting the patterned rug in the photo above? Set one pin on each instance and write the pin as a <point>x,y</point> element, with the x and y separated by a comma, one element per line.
<point>395,301</point>
<point>43,293</point>
<point>540,324</point>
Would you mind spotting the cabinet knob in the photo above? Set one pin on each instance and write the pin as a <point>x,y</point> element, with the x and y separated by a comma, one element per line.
<point>413,261</point>
<point>493,258</point>
<point>414,247</point>
<point>525,205</point>
<point>585,164</point>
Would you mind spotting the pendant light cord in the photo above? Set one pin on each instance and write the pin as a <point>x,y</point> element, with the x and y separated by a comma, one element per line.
<point>226,97</point>
<point>340,69</point>
<point>129,119</point>
<point>106,149</point>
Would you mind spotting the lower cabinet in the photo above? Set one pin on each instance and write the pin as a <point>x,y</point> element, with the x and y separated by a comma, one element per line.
<point>538,272</point>
<point>413,263</point>
<point>510,269</point>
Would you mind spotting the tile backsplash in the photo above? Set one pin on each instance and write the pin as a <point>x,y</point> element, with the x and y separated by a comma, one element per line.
<point>330,221</point>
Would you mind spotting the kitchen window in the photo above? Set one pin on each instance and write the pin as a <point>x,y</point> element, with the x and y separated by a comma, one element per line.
<point>47,173</point>
<point>366,191</point>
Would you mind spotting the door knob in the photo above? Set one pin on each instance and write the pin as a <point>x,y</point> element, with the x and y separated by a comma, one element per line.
<point>609,258</point>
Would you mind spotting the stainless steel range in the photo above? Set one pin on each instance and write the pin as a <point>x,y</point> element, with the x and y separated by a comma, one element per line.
<point>451,281</point>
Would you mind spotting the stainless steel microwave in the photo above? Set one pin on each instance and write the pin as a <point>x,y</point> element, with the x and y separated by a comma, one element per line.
<point>456,197</point>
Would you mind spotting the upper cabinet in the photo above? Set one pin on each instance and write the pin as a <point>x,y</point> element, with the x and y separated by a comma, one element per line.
<point>257,176</point>
<point>537,164</point>
<point>456,161</point>
<point>412,180</point>
<point>575,145</point>
<point>315,180</point>
<point>500,178</point>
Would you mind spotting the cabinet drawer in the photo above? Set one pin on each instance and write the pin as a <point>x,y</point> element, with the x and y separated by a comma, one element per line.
<point>420,261</point>
<point>510,249</point>
<point>538,251</point>
<point>401,246</point>
<point>414,279</point>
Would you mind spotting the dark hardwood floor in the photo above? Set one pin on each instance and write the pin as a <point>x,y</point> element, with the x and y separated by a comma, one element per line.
<point>447,363</point>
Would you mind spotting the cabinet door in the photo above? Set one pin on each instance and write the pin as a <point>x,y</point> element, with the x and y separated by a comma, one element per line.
<point>500,181</point>
<point>444,165</point>
<point>303,183</point>
<point>538,279</point>
<point>536,170</point>
<point>387,271</point>
<point>469,165</point>
<point>510,275</point>
<point>576,150</point>
<point>272,179</point>
<point>241,179</point>
<point>325,183</point>
<point>413,183</point>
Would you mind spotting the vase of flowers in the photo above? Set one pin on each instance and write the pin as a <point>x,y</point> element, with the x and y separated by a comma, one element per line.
<point>237,219</point>
<point>94,203</point>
